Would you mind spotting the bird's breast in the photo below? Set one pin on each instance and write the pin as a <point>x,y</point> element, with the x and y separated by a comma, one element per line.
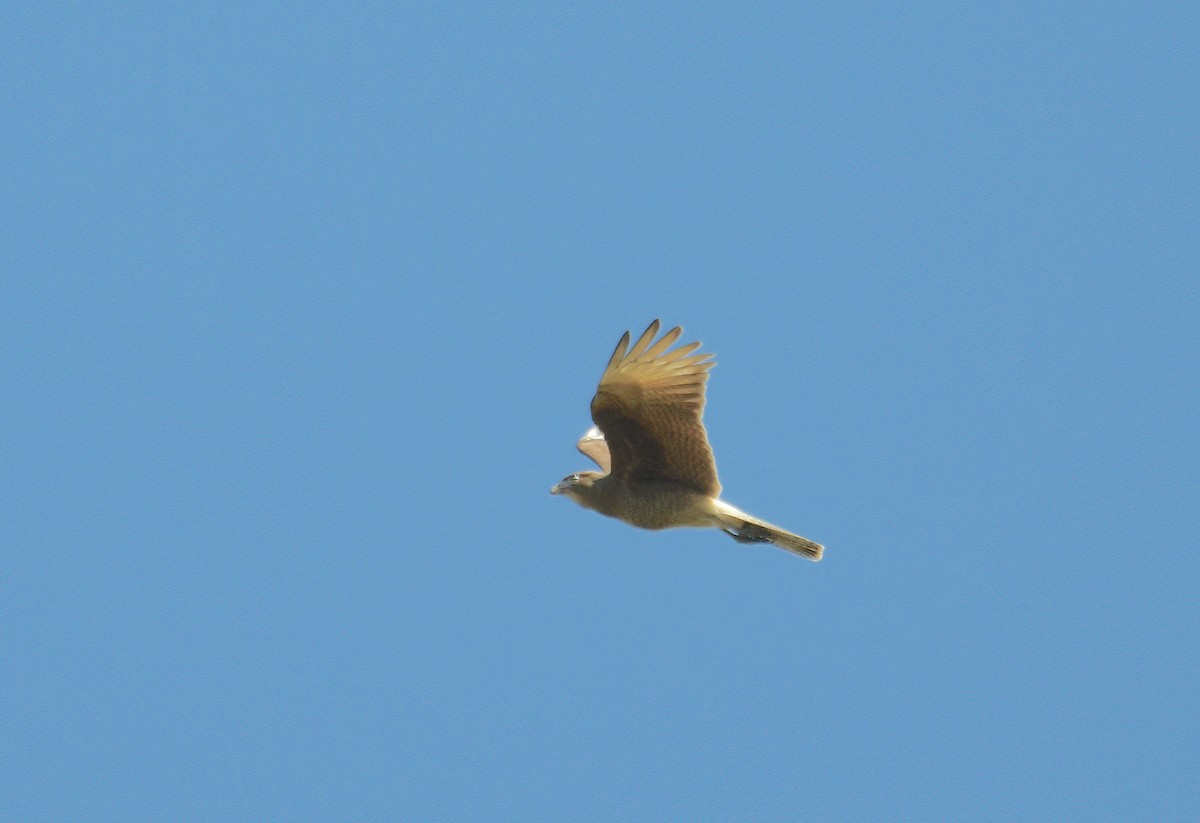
<point>657,504</point>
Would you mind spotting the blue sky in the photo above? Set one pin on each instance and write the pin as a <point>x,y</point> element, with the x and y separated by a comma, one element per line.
<point>303,306</point>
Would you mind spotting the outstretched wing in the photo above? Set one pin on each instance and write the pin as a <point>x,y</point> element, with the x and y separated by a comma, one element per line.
<point>648,406</point>
<point>593,445</point>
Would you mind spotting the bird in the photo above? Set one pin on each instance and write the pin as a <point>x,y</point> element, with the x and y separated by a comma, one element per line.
<point>657,469</point>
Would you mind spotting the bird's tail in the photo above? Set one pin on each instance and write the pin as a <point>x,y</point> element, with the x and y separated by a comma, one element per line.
<point>746,529</point>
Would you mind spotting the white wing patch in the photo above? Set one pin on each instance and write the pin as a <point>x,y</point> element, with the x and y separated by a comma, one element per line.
<point>595,446</point>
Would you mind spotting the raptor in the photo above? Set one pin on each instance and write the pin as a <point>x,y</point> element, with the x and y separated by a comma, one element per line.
<point>656,467</point>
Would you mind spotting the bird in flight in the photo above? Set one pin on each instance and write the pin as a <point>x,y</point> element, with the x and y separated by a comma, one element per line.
<point>656,468</point>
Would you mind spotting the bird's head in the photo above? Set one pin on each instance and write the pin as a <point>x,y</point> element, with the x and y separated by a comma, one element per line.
<point>576,486</point>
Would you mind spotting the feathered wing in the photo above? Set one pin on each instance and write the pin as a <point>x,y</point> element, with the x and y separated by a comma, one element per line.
<point>593,445</point>
<point>649,406</point>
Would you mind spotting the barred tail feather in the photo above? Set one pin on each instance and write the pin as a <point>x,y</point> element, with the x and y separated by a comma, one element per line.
<point>745,528</point>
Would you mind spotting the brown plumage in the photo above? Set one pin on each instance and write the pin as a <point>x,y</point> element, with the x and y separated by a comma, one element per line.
<point>657,469</point>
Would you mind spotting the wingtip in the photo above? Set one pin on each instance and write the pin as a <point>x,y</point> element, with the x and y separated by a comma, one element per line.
<point>618,353</point>
<point>644,341</point>
<point>649,345</point>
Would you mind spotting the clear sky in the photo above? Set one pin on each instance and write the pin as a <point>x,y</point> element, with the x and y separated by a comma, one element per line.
<point>303,306</point>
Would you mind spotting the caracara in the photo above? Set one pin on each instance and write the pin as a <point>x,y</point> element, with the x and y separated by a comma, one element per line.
<point>657,469</point>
